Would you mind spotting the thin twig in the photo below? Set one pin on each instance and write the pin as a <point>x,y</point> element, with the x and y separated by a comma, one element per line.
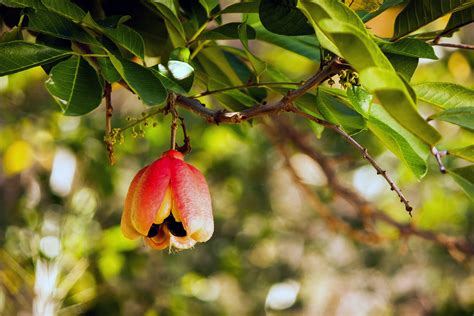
<point>455,246</point>
<point>364,153</point>
<point>108,122</point>
<point>453,45</point>
<point>174,120</point>
<point>244,86</point>
<point>438,154</point>
<point>186,148</point>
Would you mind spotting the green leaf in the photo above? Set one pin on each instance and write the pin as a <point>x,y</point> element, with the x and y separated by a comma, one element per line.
<point>465,178</point>
<point>128,38</point>
<point>74,84</point>
<point>341,31</point>
<point>216,66</point>
<point>336,111</point>
<point>227,31</point>
<point>122,35</point>
<point>241,7</point>
<point>16,56</point>
<point>233,100</point>
<point>360,99</point>
<point>209,5</point>
<point>409,47</point>
<point>421,12</point>
<point>283,17</point>
<point>304,45</point>
<point>466,153</point>
<point>462,116</point>
<point>459,19</point>
<point>404,65</point>
<point>258,65</point>
<point>169,83</point>
<point>173,24</point>
<point>392,93</point>
<point>444,95</point>
<point>178,71</point>
<point>36,4</point>
<point>56,25</point>
<point>398,140</point>
<point>106,68</point>
<point>141,80</point>
<point>65,8</point>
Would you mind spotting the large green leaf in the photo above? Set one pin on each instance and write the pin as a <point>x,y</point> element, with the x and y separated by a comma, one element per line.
<point>121,34</point>
<point>341,31</point>
<point>398,140</point>
<point>462,116</point>
<point>65,8</point>
<point>409,47</point>
<point>283,17</point>
<point>444,95</point>
<point>56,25</point>
<point>16,56</point>
<point>173,24</point>
<point>215,65</point>
<point>463,152</point>
<point>304,45</point>
<point>36,4</point>
<point>74,84</point>
<point>234,100</point>
<point>459,19</point>
<point>392,93</point>
<point>141,80</point>
<point>336,111</point>
<point>465,178</point>
<point>258,65</point>
<point>421,12</point>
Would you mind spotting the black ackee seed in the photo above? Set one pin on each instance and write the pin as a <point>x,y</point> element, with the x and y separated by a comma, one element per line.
<point>176,228</point>
<point>153,230</point>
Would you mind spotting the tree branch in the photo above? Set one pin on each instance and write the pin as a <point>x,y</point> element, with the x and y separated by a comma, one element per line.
<point>364,153</point>
<point>453,45</point>
<point>245,86</point>
<point>108,122</point>
<point>455,246</point>
<point>283,105</point>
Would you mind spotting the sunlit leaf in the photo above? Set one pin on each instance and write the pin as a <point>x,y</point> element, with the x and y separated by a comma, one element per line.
<point>258,65</point>
<point>398,140</point>
<point>337,112</point>
<point>444,95</point>
<point>462,116</point>
<point>409,47</point>
<point>396,99</point>
<point>75,86</point>
<point>360,99</point>
<point>227,31</point>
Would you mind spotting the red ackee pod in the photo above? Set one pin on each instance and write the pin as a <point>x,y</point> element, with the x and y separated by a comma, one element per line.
<point>168,203</point>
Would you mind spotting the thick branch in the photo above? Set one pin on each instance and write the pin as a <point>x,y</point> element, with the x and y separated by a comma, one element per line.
<point>283,105</point>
